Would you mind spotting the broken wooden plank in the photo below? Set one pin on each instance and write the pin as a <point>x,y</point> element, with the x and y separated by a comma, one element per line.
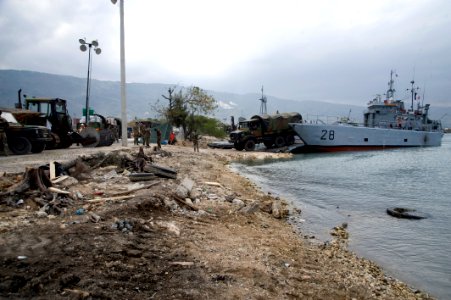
<point>136,189</point>
<point>59,178</point>
<point>211,183</point>
<point>182,263</point>
<point>59,191</point>
<point>97,200</point>
<point>52,170</point>
<point>182,201</point>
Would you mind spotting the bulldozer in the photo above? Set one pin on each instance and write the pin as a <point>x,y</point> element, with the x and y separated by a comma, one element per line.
<point>53,113</point>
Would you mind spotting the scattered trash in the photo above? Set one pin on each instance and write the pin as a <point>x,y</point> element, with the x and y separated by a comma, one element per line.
<point>238,202</point>
<point>184,188</point>
<point>110,175</point>
<point>95,218</point>
<point>123,225</point>
<point>170,226</point>
<point>80,211</point>
<point>41,214</point>
<point>141,176</point>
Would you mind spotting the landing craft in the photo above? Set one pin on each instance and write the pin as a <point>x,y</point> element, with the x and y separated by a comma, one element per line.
<point>387,124</point>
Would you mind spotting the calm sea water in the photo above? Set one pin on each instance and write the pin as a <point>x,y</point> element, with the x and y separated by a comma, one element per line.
<point>357,188</point>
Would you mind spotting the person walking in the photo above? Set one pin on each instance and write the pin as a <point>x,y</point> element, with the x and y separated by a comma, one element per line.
<point>172,138</point>
<point>146,136</point>
<point>159,138</point>
<point>3,138</point>
<point>136,134</point>
<point>196,138</point>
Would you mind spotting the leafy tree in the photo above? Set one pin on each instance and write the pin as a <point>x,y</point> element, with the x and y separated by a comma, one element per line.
<point>184,107</point>
<point>210,126</point>
<point>198,102</point>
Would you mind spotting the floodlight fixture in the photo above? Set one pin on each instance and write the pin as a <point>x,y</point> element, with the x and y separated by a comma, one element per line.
<point>83,47</point>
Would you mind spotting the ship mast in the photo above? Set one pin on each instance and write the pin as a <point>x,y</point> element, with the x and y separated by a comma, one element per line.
<point>263,99</point>
<point>413,90</point>
<point>391,90</point>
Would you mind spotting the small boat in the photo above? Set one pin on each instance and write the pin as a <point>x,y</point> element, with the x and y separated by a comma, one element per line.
<point>387,124</point>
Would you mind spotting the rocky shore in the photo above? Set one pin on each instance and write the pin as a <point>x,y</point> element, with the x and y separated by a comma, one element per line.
<point>208,234</point>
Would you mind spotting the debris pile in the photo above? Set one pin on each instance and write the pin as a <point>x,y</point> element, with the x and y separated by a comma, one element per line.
<point>56,187</point>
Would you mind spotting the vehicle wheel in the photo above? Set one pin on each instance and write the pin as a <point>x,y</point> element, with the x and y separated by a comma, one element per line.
<point>238,146</point>
<point>279,142</point>
<point>249,145</point>
<point>37,147</point>
<point>289,140</point>
<point>20,145</point>
<point>91,137</point>
<point>268,144</point>
<point>110,139</point>
<point>65,143</point>
<point>106,138</point>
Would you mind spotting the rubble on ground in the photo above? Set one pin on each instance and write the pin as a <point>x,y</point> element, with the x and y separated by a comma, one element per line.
<point>196,230</point>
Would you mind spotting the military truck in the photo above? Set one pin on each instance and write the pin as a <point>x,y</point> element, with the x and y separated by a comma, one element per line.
<point>23,139</point>
<point>52,113</point>
<point>271,130</point>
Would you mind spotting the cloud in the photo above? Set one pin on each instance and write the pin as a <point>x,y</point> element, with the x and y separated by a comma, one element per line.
<point>226,105</point>
<point>337,51</point>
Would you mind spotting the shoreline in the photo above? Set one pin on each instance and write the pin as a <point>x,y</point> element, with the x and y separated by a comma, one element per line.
<point>319,232</point>
<point>225,252</point>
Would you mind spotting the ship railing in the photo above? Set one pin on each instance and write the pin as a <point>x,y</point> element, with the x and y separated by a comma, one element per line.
<point>410,126</point>
<point>394,125</point>
<point>327,120</point>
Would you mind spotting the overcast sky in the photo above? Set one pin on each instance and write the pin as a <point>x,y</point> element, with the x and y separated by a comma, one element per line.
<point>338,51</point>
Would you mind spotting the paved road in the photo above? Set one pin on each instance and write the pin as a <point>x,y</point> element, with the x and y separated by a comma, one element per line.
<point>18,163</point>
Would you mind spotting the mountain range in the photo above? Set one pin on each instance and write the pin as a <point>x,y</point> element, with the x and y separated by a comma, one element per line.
<point>141,98</point>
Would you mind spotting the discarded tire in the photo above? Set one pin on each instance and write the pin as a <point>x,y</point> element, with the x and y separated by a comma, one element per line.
<point>405,213</point>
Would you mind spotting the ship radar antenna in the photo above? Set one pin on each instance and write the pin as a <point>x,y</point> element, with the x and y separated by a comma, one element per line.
<point>391,90</point>
<point>263,100</point>
<point>414,91</point>
<point>424,92</point>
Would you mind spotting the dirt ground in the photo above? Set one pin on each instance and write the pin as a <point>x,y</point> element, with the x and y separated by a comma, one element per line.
<point>231,241</point>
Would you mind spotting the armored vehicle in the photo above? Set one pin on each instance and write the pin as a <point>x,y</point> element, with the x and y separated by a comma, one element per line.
<point>271,130</point>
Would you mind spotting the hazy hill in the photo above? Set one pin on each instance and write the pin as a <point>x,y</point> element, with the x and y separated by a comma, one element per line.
<point>105,98</point>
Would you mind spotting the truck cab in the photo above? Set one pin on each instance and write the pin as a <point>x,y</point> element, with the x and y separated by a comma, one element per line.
<point>55,116</point>
<point>23,139</point>
<point>271,130</point>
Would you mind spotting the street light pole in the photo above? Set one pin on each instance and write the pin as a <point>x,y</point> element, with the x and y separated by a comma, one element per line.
<point>123,91</point>
<point>97,50</point>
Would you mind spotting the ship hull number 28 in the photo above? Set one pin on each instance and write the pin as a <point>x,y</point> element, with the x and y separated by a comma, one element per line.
<point>327,134</point>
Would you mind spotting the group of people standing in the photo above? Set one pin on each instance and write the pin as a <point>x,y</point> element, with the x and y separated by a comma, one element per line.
<point>144,132</point>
